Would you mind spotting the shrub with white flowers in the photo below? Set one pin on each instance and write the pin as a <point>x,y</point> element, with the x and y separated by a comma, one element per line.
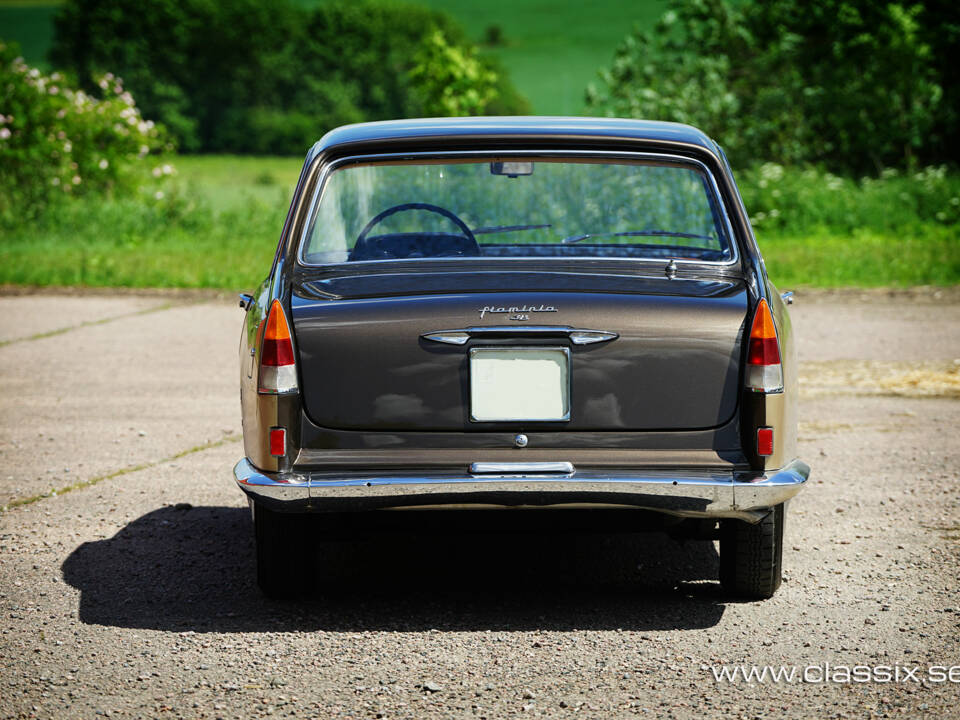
<point>57,141</point>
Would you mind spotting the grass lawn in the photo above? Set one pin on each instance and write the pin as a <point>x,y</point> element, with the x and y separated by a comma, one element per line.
<point>551,50</point>
<point>229,182</point>
<point>235,255</point>
<point>924,255</point>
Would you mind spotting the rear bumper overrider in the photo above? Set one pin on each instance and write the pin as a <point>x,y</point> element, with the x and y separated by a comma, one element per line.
<point>694,493</point>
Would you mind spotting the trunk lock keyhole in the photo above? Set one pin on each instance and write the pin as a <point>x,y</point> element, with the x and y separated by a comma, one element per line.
<point>521,440</point>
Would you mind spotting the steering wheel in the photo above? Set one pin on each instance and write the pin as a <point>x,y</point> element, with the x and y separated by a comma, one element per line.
<point>432,245</point>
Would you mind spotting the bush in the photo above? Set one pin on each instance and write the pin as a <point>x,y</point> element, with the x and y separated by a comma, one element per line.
<point>449,81</point>
<point>259,76</point>
<point>851,84</point>
<point>56,141</point>
<point>809,200</point>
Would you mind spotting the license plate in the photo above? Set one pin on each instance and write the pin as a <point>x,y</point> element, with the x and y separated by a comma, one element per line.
<point>508,384</point>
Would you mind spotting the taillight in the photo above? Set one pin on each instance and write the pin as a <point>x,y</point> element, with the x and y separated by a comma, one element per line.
<point>278,441</point>
<point>764,371</point>
<point>765,441</point>
<point>278,373</point>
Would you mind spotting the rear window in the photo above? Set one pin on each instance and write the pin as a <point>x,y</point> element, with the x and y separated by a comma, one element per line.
<point>515,208</point>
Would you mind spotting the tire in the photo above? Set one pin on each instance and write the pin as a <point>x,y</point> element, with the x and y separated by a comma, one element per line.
<point>751,556</point>
<point>282,543</point>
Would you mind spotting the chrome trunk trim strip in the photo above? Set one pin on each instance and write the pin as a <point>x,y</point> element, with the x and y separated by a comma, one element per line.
<point>579,336</point>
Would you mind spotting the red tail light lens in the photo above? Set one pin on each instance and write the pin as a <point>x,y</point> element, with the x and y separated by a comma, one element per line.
<point>764,441</point>
<point>764,371</point>
<point>278,441</point>
<point>278,372</point>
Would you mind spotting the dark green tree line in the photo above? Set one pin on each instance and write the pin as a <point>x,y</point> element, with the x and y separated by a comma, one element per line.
<point>854,85</point>
<point>263,76</point>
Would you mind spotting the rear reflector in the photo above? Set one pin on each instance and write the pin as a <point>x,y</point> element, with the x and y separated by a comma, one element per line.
<point>764,441</point>
<point>764,372</point>
<point>278,441</point>
<point>278,373</point>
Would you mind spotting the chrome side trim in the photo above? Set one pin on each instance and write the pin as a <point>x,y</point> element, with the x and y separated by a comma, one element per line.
<point>521,468</point>
<point>578,336</point>
<point>745,496</point>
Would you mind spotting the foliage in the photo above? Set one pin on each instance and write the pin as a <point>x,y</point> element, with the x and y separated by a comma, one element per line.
<point>927,255</point>
<point>218,226</point>
<point>493,35</point>
<point>125,243</point>
<point>269,76</point>
<point>809,200</point>
<point>450,81</point>
<point>940,28</point>
<point>587,32</point>
<point>56,141</point>
<point>552,50</point>
<point>852,84</point>
<point>817,228</point>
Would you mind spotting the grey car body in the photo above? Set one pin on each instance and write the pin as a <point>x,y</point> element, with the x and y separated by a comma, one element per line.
<point>660,418</point>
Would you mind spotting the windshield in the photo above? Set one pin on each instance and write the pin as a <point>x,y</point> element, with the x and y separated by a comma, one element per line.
<point>516,207</point>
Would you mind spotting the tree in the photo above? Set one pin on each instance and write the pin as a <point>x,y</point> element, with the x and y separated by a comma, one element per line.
<point>851,84</point>
<point>269,76</point>
<point>450,81</point>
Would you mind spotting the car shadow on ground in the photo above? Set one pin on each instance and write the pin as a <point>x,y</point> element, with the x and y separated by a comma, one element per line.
<point>192,568</point>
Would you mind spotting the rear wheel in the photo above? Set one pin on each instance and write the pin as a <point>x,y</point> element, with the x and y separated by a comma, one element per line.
<point>282,542</point>
<point>751,555</point>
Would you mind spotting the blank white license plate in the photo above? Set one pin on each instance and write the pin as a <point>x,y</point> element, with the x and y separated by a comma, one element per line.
<point>519,384</point>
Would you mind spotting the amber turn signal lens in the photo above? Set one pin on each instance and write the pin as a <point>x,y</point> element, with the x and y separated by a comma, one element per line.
<point>277,348</point>
<point>764,349</point>
<point>278,371</point>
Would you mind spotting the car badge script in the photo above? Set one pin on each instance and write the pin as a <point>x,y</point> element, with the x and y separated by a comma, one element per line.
<point>516,312</point>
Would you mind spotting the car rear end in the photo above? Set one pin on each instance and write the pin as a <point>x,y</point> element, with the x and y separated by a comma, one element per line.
<point>512,317</point>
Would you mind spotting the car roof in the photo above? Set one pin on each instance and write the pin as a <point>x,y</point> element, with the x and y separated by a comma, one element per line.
<point>538,128</point>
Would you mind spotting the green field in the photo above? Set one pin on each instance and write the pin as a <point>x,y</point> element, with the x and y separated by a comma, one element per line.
<point>552,50</point>
<point>231,182</point>
<point>218,224</point>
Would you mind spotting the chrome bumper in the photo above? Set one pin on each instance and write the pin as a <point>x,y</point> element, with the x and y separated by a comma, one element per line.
<point>746,496</point>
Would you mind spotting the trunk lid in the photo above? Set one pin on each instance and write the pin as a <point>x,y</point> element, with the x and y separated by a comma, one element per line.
<point>365,364</point>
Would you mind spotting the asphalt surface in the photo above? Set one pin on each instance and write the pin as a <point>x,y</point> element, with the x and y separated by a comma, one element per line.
<point>133,594</point>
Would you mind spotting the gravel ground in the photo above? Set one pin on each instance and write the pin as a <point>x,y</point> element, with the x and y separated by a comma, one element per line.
<point>133,596</point>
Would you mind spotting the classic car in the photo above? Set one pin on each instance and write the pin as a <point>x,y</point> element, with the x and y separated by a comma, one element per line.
<point>526,313</point>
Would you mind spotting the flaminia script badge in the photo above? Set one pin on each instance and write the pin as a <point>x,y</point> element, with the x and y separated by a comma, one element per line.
<point>514,312</point>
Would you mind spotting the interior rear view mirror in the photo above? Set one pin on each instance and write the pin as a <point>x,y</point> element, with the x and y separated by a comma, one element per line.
<point>512,168</point>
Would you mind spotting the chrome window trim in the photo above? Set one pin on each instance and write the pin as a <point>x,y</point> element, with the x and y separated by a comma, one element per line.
<point>325,169</point>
